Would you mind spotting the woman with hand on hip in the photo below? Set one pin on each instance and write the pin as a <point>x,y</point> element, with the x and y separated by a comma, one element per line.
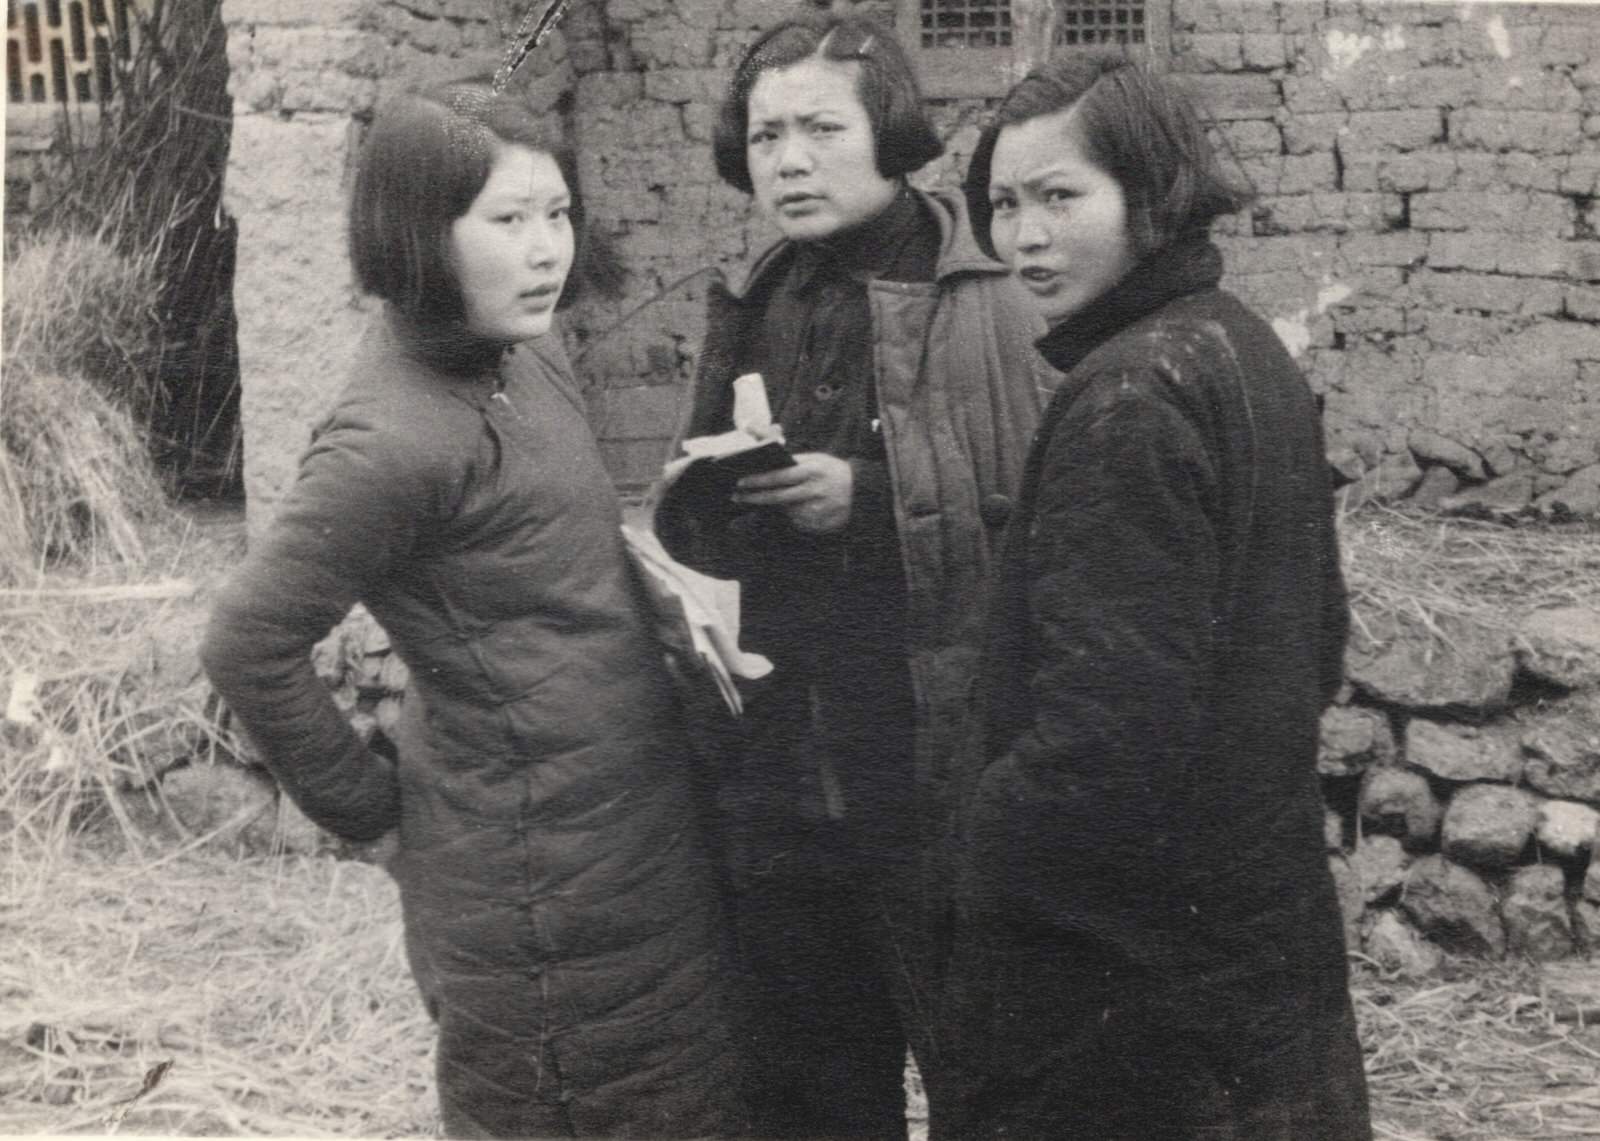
<point>562,918</point>
<point>1152,945</point>
<point>897,358</point>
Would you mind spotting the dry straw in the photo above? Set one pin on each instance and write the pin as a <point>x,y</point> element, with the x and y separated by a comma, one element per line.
<point>1419,569</point>
<point>76,481</point>
<point>277,988</point>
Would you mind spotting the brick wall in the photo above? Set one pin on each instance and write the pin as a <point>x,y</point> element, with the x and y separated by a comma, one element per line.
<point>1425,238</point>
<point>305,77</point>
<point>1425,235</point>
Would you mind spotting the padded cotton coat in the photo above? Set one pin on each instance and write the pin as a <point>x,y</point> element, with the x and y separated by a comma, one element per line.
<point>1152,919</point>
<point>958,392</point>
<point>561,916</point>
<point>959,388</point>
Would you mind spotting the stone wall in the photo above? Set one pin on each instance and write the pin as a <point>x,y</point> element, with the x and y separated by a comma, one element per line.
<point>1462,777</point>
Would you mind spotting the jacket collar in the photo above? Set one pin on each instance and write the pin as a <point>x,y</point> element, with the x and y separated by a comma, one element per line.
<point>958,249</point>
<point>1189,265</point>
<point>446,347</point>
<point>865,251</point>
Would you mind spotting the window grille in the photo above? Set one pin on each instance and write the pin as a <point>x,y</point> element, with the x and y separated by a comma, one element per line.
<point>1105,22</point>
<point>965,23</point>
<point>59,52</point>
<point>967,48</point>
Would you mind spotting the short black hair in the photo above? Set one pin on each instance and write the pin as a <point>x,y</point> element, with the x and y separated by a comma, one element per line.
<point>1139,126</point>
<point>426,158</point>
<point>903,137</point>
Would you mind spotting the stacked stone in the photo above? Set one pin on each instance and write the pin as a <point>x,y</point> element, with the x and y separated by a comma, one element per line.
<point>367,678</point>
<point>1462,773</point>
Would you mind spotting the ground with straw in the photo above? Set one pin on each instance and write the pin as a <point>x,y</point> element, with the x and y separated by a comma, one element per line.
<point>155,983</point>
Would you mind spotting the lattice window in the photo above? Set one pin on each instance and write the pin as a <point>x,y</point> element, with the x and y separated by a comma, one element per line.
<point>1087,22</point>
<point>966,48</point>
<point>965,23</point>
<point>59,52</point>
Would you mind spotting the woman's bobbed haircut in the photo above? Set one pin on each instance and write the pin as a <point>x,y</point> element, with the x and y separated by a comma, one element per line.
<point>1139,127</point>
<point>903,137</point>
<point>425,159</point>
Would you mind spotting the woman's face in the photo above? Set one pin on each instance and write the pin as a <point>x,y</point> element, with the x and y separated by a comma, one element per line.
<point>513,247</point>
<point>813,160</point>
<point>1060,222</point>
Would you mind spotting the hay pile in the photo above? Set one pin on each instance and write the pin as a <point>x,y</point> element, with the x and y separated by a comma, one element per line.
<point>77,487</point>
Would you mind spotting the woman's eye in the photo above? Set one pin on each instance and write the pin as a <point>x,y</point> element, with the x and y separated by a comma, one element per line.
<point>1058,197</point>
<point>508,219</point>
<point>825,128</point>
<point>1002,205</point>
<point>759,137</point>
<point>561,212</point>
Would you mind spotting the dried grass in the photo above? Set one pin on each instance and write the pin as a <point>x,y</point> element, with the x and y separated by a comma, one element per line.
<point>1482,1053</point>
<point>1418,567</point>
<point>77,485</point>
<point>76,305</point>
<point>276,988</point>
<point>118,692</point>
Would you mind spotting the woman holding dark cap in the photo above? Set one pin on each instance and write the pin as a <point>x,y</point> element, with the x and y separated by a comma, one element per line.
<point>1152,945</point>
<point>897,360</point>
<point>562,917</point>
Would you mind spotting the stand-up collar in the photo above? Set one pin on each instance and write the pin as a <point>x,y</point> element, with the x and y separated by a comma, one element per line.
<point>958,250</point>
<point>870,249</point>
<point>1187,266</point>
<point>447,347</point>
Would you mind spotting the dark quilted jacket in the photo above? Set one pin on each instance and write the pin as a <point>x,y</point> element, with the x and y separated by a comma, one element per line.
<point>959,389</point>
<point>1168,625</point>
<point>560,913</point>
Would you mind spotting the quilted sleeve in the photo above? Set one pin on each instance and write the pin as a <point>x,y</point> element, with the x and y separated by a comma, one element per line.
<point>356,511</point>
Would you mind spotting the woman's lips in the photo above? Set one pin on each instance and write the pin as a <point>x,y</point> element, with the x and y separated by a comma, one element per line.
<point>1039,278</point>
<point>795,201</point>
<point>539,292</point>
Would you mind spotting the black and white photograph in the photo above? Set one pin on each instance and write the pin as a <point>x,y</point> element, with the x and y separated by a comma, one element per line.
<point>827,570</point>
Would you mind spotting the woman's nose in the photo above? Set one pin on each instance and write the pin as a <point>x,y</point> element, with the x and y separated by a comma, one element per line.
<point>794,156</point>
<point>1032,233</point>
<point>540,247</point>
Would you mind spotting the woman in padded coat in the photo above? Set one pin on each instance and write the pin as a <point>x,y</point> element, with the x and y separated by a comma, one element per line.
<point>898,360</point>
<point>561,917</point>
<point>1152,946</point>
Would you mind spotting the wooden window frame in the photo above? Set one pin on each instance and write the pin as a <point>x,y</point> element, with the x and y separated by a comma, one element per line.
<point>973,72</point>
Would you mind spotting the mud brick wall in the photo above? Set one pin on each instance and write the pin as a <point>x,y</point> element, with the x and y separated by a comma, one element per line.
<point>305,76</point>
<point>1425,238</point>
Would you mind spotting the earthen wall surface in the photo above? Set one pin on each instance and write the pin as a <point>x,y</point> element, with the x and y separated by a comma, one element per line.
<point>1425,240</point>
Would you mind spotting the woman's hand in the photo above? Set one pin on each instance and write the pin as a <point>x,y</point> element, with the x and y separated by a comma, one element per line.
<point>815,492</point>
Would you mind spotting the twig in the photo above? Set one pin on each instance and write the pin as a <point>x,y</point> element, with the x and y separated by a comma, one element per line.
<point>640,308</point>
<point>135,592</point>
